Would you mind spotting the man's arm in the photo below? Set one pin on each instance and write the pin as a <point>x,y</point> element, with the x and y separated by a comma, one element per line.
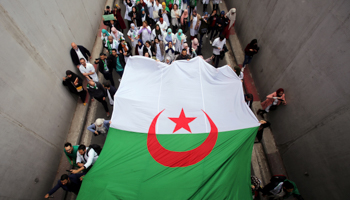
<point>91,154</point>
<point>85,51</point>
<point>53,190</point>
<point>92,128</point>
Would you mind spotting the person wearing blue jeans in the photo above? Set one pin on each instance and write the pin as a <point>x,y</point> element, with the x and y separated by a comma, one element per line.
<point>250,50</point>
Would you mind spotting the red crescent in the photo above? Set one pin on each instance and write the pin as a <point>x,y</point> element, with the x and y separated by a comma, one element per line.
<point>184,158</point>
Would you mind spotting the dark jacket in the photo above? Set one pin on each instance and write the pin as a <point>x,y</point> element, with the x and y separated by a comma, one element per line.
<point>181,57</point>
<point>101,66</point>
<point>112,61</point>
<point>98,92</point>
<point>139,18</point>
<point>74,56</point>
<point>204,26</point>
<point>70,81</point>
<point>120,48</point>
<point>251,101</point>
<point>146,50</point>
<point>116,25</point>
<point>74,185</point>
<point>223,21</point>
<point>211,20</point>
<point>251,53</point>
<point>112,91</point>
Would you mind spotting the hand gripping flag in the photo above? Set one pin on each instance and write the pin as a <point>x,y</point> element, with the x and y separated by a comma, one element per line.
<point>179,131</point>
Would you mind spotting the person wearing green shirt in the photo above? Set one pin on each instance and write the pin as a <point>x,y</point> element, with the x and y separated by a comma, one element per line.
<point>71,153</point>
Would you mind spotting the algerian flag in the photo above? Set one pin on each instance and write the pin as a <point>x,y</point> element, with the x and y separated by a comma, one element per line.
<point>179,131</point>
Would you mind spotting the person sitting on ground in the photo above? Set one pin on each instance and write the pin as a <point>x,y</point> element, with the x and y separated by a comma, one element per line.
<point>77,52</point>
<point>97,91</point>
<point>75,85</point>
<point>263,124</point>
<point>69,183</point>
<point>249,100</point>
<point>281,187</point>
<point>110,92</point>
<point>88,70</point>
<point>86,158</point>
<point>183,55</point>
<point>71,153</point>
<point>250,50</point>
<point>218,46</point>
<point>100,127</point>
<point>272,101</point>
<point>104,67</point>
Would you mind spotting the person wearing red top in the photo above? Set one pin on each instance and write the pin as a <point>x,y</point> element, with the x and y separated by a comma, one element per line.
<point>272,101</point>
<point>117,14</point>
<point>250,50</point>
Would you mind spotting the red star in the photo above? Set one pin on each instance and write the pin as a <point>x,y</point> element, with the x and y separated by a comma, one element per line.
<point>182,122</point>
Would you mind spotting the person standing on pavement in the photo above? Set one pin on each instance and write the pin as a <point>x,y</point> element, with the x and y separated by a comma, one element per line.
<point>124,49</point>
<point>139,48</point>
<point>180,40</point>
<point>170,51</point>
<point>162,24</point>
<point>75,85</point>
<point>272,101</point>
<point>203,29</point>
<point>71,153</point>
<point>104,68</point>
<point>192,5</point>
<point>77,52</point>
<point>116,34</point>
<point>145,32</point>
<point>116,62</point>
<point>221,23</point>
<point>169,37</point>
<point>128,9</point>
<point>69,183</point>
<point>88,70</point>
<point>205,5</point>
<point>216,5</point>
<point>231,17</point>
<point>117,14</point>
<point>86,158</point>
<point>97,91</point>
<point>111,44</point>
<point>100,127</point>
<point>183,55</point>
<point>212,25</point>
<point>248,98</point>
<point>132,35</point>
<point>157,32</point>
<point>164,13</point>
<point>110,92</point>
<point>184,21</point>
<point>158,47</point>
<point>195,23</point>
<point>218,45</point>
<point>175,17</point>
<point>107,11</point>
<point>250,50</point>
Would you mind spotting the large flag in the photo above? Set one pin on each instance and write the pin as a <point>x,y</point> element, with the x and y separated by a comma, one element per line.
<point>179,131</point>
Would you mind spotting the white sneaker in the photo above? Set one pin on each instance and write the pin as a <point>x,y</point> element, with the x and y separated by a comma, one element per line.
<point>206,35</point>
<point>242,69</point>
<point>119,80</point>
<point>210,42</point>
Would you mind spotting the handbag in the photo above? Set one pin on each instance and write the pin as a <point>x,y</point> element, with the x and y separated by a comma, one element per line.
<point>79,89</point>
<point>155,15</point>
<point>204,30</point>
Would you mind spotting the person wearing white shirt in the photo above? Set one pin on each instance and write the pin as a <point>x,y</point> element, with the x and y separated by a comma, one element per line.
<point>132,35</point>
<point>162,24</point>
<point>146,32</point>
<point>158,32</point>
<point>128,8</point>
<point>111,44</point>
<point>88,70</point>
<point>150,7</point>
<point>86,157</point>
<point>156,7</point>
<point>218,44</point>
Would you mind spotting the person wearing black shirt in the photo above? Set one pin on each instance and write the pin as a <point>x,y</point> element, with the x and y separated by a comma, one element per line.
<point>77,52</point>
<point>75,85</point>
<point>69,183</point>
<point>104,68</point>
<point>97,91</point>
<point>250,50</point>
<point>183,55</point>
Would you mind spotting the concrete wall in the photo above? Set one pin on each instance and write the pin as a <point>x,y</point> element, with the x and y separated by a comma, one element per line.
<point>35,108</point>
<point>305,50</point>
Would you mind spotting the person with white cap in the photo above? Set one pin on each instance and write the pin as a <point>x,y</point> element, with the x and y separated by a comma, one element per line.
<point>99,127</point>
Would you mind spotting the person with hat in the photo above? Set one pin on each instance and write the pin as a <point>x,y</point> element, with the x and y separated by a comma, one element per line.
<point>75,85</point>
<point>99,127</point>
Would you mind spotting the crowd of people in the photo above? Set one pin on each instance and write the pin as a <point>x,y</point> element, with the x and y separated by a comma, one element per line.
<point>156,30</point>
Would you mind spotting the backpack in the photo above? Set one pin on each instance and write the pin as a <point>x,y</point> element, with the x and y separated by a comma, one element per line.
<point>97,148</point>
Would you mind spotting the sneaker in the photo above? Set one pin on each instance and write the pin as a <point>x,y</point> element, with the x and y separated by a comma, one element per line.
<point>206,35</point>
<point>119,80</point>
<point>210,42</point>
<point>242,69</point>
